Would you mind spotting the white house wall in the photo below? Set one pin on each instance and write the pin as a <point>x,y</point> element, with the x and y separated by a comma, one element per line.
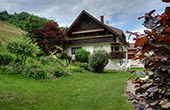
<point>113,64</point>
<point>90,47</point>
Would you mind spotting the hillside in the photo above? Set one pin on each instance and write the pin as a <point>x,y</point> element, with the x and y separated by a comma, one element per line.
<point>8,32</point>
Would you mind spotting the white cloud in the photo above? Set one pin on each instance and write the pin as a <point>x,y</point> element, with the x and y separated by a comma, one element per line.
<point>121,13</point>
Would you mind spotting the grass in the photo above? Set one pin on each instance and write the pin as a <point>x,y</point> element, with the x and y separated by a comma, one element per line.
<point>79,91</point>
<point>8,32</point>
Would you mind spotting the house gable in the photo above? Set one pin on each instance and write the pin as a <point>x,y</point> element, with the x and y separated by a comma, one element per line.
<point>86,25</point>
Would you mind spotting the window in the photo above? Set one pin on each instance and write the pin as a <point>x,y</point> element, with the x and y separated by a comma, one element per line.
<point>73,50</point>
<point>116,48</point>
<point>114,39</point>
<point>113,48</point>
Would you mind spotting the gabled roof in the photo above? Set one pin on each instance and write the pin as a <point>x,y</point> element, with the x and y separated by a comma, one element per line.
<point>115,31</point>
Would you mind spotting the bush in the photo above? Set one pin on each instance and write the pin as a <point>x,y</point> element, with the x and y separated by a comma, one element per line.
<point>59,71</point>
<point>44,60</point>
<point>85,66</point>
<point>14,68</point>
<point>36,72</point>
<point>6,58</point>
<point>40,53</point>
<point>46,68</point>
<point>82,55</point>
<point>98,60</point>
<point>64,56</point>
<point>23,48</point>
<point>75,69</point>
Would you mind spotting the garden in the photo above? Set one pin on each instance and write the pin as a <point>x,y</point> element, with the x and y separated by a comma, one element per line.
<point>31,79</point>
<point>35,72</point>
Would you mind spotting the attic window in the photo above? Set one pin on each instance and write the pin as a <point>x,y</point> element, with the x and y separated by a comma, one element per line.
<point>88,22</point>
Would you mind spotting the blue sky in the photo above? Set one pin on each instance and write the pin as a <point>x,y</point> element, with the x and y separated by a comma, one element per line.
<point>121,14</point>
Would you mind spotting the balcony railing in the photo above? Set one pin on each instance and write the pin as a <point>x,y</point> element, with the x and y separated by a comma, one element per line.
<point>116,55</point>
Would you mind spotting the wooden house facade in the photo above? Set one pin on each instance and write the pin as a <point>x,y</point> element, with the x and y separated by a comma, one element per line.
<point>89,33</point>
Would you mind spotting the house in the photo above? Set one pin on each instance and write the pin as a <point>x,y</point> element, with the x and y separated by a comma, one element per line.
<point>131,51</point>
<point>89,33</point>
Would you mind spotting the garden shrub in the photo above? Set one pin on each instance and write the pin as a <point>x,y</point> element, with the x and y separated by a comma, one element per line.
<point>23,48</point>
<point>6,58</point>
<point>40,53</point>
<point>75,69</point>
<point>153,47</point>
<point>36,72</point>
<point>13,68</point>
<point>82,55</point>
<point>59,71</point>
<point>46,68</point>
<point>98,60</point>
<point>64,56</point>
<point>44,60</point>
<point>85,66</point>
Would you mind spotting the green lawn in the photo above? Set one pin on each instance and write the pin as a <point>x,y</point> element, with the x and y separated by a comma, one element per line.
<point>80,91</point>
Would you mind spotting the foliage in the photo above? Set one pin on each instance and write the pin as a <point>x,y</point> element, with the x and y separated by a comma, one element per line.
<point>23,48</point>
<point>65,56</point>
<point>59,71</point>
<point>13,68</point>
<point>64,28</point>
<point>98,60</point>
<point>85,66</point>
<point>34,23</point>
<point>154,50</point>
<point>4,15</point>
<point>75,69</point>
<point>82,55</point>
<point>15,19</point>
<point>23,20</point>
<point>40,53</point>
<point>49,37</point>
<point>46,68</point>
<point>6,58</point>
<point>36,71</point>
<point>8,32</point>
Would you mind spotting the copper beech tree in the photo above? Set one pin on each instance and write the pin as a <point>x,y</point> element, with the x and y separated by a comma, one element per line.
<point>50,37</point>
<point>153,47</point>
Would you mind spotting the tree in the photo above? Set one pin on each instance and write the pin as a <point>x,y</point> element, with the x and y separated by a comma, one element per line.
<point>154,50</point>
<point>64,28</point>
<point>50,37</point>
<point>4,15</point>
<point>34,23</point>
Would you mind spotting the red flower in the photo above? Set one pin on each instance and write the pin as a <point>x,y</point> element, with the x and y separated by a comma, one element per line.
<point>132,71</point>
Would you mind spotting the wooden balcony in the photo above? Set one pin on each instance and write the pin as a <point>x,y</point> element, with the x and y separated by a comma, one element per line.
<point>116,55</point>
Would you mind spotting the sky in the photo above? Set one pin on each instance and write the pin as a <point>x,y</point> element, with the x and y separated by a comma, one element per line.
<point>120,14</point>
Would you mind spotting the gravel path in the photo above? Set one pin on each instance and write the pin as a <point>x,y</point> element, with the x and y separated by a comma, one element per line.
<point>130,87</point>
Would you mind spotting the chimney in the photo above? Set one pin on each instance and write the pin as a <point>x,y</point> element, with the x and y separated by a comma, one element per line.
<point>102,19</point>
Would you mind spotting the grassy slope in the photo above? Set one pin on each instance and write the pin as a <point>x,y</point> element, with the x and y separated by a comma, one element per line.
<point>81,91</point>
<point>8,32</point>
